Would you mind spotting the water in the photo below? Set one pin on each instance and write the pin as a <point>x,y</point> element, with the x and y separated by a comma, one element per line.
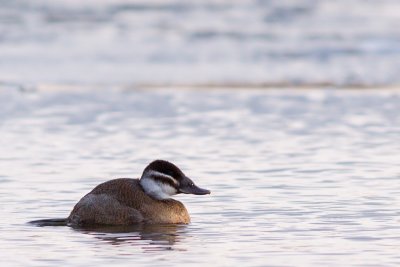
<point>298,178</point>
<point>346,42</point>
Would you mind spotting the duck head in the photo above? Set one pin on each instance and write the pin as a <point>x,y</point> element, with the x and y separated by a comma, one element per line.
<point>162,179</point>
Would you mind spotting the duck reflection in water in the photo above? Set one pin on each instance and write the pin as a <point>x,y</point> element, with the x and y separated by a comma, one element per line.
<point>148,236</point>
<point>129,210</point>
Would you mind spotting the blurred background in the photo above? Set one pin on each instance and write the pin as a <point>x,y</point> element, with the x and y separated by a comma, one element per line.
<point>200,42</point>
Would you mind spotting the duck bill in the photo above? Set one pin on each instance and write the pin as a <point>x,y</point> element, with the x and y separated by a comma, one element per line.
<point>193,189</point>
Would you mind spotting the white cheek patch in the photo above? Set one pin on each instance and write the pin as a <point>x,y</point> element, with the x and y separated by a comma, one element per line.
<point>156,189</point>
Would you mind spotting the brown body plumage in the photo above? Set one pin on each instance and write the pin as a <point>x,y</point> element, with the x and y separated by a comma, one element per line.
<point>123,202</point>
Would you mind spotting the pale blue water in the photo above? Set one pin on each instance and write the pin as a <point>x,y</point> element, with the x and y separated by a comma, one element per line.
<point>298,178</point>
<point>345,42</point>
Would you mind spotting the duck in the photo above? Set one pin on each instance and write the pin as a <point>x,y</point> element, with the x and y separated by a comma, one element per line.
<point>129,201</point>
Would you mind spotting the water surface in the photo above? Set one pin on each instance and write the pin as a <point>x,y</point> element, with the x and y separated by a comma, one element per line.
<point>298,178</point>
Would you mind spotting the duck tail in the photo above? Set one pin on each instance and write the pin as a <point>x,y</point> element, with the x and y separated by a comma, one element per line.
<point>50,222</point>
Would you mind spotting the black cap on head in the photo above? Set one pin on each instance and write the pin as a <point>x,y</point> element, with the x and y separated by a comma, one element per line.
<point>164,167</point>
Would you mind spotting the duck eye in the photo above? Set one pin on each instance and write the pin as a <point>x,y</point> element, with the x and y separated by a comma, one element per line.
<point>191,184</point>
<point>170,173</point>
